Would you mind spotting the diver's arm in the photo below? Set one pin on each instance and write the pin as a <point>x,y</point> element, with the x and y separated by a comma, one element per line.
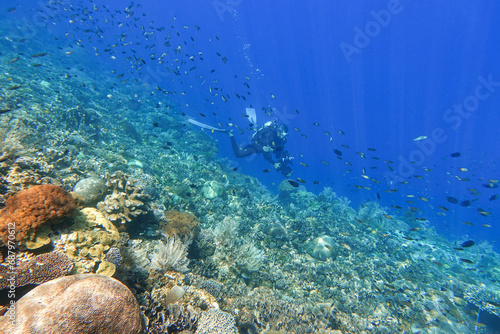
<point>241,153</point>
<point>269,157</point>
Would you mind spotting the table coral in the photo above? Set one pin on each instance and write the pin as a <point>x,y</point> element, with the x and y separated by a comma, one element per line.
<point>30,209</point>
<point>39,269</point>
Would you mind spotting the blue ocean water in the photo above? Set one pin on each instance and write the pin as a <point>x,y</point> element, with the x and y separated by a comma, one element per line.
<point>383,73</point>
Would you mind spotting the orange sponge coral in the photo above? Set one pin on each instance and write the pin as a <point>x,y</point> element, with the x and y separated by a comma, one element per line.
<point>29,209</point>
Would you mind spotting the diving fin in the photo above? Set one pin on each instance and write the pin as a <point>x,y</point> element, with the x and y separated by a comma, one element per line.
<point>205,126</point>
<point>252,116</point>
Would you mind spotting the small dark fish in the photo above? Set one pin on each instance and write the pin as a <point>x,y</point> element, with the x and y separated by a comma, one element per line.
<point>458,248</point>
<point>443,208</point>
<point>6,110</point>
<point>202,115</point>
<point>341,132</point>
<point>452,200</point>
<point>483,212</point>
<point>14,87</point>
<point>466,260</point>
<point>490,185</point>
<point>235,169</point>
<point>316,182</point>
<point>415,229</point>
<point>468,243</point>
<point>36,65</point>
<point>267,170</point>
<point>11,9</point>
<point>317,124</point>
<point>396,207</point>
<point>39,55</point>
<point>300,180</point>
<point>14,60</point>
<point>293,183</point>
<point>407,238</point>
<point>155,124</point>
<point>493,197</point>
<point>195,157</point>
<point>337,152</point>
<point>455,155</point>
<point>194,186</point>
<point>371,149</point>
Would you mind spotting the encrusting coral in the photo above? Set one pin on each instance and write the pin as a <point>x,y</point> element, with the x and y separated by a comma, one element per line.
<point>181,224</point>
<point>30,209</point>
<point>88,239</point>
<point>39,269</point>
<point>216,321</point>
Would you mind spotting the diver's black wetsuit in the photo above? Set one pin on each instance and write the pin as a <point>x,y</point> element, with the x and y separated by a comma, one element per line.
<point>267,142</point>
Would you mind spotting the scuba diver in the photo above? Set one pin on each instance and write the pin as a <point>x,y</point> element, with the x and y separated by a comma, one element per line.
<point>269,139</point>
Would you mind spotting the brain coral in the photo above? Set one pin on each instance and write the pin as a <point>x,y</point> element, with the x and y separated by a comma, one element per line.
<point>78,304</point>
<point>30,209</point>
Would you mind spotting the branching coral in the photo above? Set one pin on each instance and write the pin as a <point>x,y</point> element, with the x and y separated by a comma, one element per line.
<point>126,201</point>
<point>30,209</point>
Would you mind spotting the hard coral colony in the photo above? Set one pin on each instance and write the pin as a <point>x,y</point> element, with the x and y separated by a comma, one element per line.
<point>30,209</point>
